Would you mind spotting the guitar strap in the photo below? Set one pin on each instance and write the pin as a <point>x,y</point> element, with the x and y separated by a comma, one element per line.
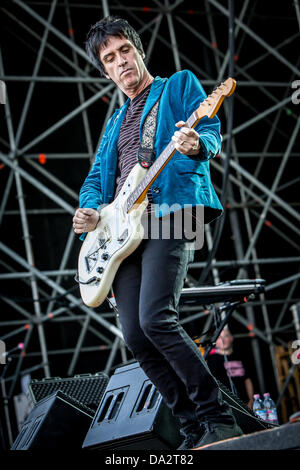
<point>146,154</point>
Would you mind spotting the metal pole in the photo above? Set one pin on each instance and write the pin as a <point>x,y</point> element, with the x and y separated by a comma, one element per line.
<point>255,345</point>
<point>12,146</point>
<point>153,39</point>
<point>240,70</point>
<point>172,37</point>
<point>112,355</point>
<point>122,344</point>
<point>264,189</point>
<point>35,72</point>
<point>63,263</point>
<point>5,197</point>
<point>296,4</point>
<point>51,79</point>
<point>255,197</point>
<point>53,30</point>
<point>53,179</point>
<point>209,240</point>
<point>48,192</point>
<point>86,126</point>
<point>105,8</point>
<point>269,140</point>
<point>287,303</point>
<point>6,404</point>
<point>19,309</point>
<point>273,189</point>
<point>283,281</point>
<point>31,262</point>
<point>78,346</point>
<point>257,38</point>
<point>184,57</point>
<point>61,310</point>
<point>238,245</point>
<point>66,119</point>
<point>260,116</point>
<point>59,289</point>
<point>236,31</point>
<point>20,361</point>
<point>260,58</point>
<point>79,71</point>
<point>194,265</point>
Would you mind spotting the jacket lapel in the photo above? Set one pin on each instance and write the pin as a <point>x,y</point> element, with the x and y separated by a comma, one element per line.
<point>155,92</point>
<point>112,158</point>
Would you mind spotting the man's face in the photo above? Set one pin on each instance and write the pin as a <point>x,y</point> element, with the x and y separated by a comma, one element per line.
<point>123,63</point>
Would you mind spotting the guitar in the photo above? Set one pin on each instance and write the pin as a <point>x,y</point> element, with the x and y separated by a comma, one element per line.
<point>119,231</point>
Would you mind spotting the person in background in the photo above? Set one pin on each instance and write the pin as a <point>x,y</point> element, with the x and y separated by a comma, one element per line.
<point>229,368</point>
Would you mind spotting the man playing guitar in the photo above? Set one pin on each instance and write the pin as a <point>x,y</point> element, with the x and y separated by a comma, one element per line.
<point>149,281</point>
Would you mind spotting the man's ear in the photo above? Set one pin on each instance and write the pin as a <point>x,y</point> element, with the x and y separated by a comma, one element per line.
<point>105,73</point>
<point>142,54</point>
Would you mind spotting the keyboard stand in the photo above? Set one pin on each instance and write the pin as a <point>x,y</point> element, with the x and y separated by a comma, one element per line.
<point>230,293</point>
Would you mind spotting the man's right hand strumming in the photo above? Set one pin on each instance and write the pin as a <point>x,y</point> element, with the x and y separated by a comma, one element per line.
<point>85,220</point>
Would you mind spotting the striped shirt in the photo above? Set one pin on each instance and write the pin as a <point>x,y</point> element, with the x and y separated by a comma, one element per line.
<point>129,142</point>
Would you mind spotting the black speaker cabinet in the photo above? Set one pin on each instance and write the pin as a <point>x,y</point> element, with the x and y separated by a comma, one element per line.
<point>56,422</point>
<point>88,389</point>
<point>132,415</point>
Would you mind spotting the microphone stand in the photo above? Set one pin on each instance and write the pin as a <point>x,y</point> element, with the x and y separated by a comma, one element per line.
<point>229,307</point>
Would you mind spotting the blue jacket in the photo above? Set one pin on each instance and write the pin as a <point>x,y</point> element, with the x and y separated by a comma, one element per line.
<point>185,181</point>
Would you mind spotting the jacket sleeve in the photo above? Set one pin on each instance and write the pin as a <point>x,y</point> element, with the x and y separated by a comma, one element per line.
<point>208,129</point>
<point>90,193</point>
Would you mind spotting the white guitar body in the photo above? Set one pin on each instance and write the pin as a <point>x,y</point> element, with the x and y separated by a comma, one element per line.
<point>116,236</point>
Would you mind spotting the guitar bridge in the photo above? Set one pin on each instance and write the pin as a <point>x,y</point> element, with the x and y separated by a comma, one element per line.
<point>92,257</point>
<point>90,261</point>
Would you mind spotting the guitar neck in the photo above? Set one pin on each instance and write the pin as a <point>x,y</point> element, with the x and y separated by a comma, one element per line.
<point>139,193</point>
<point>208,107</point>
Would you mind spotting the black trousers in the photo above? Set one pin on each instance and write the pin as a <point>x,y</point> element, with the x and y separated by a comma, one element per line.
<point>147,290</point>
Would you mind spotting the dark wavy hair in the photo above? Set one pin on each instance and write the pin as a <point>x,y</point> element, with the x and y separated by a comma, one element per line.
<point>100,32</point>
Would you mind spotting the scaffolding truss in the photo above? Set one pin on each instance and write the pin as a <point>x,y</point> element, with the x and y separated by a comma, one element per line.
<point>53,118</point>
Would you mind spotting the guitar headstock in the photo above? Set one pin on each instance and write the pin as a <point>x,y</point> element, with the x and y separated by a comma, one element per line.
<point>210,106</point>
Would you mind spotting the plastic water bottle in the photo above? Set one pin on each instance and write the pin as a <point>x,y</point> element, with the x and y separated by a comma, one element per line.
<point>258,408</point>
<point>270,408</point>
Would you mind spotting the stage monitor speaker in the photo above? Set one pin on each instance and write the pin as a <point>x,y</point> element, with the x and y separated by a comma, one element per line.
<point>132,415</point>
<point>56,422</point>
<point>88,389</point>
